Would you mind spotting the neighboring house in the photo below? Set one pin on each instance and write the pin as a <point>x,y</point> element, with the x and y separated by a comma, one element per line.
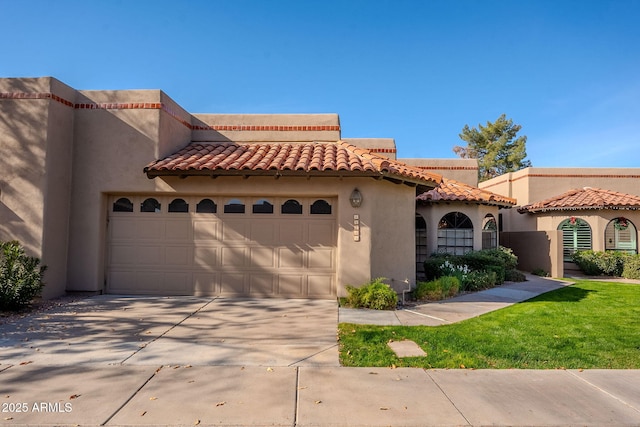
<point>126,192</point>
<point>562,210</point>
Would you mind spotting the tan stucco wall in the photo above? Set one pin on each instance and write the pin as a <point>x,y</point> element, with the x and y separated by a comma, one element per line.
<point>462,170</point>
<point>35,159</point>
<point>294,127</point>
<point>393,244</point>
<point>536,249</point>
<point>533,184</point>
<point>112,147</point>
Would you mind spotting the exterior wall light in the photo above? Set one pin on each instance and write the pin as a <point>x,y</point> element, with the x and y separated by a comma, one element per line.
<point>356,198</point>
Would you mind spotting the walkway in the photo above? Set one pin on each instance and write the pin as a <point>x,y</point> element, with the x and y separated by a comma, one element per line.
<point>455,309</point>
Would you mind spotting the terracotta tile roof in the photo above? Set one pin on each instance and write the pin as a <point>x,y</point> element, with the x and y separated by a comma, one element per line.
<point>320,158</point>
<point>451,190</point>
<point>585,198</point>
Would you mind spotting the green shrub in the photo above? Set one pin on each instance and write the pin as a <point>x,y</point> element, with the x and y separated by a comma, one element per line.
<point>585,260</point>
<point>500,273</point>
<point>376,295</point>
<point>433,267</point>
<point>506,255</point>
<point>20,276</point>
<point>631,267</point>
<point>479,280</point>
<point>435,290</point>
<point>592,263</point>
<point>498,260</point>
<point>514,275</point>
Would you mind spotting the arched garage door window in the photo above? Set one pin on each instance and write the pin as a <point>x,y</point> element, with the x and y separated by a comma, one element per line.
<point>576,236</point>
<point>455,234</point>
<point>621,235</point>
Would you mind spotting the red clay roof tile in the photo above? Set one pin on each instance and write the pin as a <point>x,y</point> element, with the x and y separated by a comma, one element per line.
<point>451,190</point>
<point>585,198</point>
<point>228,158</point>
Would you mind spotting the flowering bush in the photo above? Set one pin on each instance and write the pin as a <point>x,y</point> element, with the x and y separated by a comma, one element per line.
<point>456,270</point>
<point>475,270</point>
<point>479,280</point>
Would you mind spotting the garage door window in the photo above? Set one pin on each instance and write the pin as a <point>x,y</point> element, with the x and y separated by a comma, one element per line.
<point>206,206</point>
<point>178,205</point>
<point>123,205</point>
<point>292,207</point>
<point>150,205</point>
<point>262,206</point>
<point>234,206</point>
<point>320,207</point>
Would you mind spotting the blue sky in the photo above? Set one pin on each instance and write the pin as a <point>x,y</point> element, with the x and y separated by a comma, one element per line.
<point>416,71</point>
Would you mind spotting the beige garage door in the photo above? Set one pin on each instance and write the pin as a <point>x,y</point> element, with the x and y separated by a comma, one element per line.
<point>277,247</point>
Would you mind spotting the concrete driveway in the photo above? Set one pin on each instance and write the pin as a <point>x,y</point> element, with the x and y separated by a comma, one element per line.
<point>176,330</point>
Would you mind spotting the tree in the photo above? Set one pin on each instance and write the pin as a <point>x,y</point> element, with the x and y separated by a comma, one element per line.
<point>495,146</point>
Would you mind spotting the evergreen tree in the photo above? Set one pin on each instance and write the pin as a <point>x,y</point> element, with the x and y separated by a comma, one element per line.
<point>495,146</point>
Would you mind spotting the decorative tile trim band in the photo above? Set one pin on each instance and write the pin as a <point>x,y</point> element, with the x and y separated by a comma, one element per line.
<point>550,175</point>
<point>381,150</point>
<point>266,128</point>
<point>84,105</point>
<point>163,107</point>
<point>448,168</point>
<point>119,106</point>
<point>35,95</point>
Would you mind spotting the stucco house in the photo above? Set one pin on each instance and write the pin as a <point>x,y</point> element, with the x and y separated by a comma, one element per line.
<point>126,192</point>
<point>561,210</point>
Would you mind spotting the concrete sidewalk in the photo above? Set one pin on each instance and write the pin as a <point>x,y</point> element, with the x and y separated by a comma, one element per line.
<point>455,309</point>
<point>118,395</point>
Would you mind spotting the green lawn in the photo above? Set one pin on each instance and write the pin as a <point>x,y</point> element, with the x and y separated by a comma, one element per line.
<point>586,325</point>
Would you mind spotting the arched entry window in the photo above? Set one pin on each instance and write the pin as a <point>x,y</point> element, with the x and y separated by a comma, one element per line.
<point>576,236</point>
<point>621,235</point>
<point>489,232</point>
<point>421,245</point>
<point>455,234</point>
